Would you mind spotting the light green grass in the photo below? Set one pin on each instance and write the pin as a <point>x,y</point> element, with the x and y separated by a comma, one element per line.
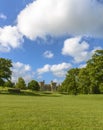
<point>54,112</point>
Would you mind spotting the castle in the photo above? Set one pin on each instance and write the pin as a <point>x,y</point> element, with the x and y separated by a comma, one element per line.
<point>48,87</point>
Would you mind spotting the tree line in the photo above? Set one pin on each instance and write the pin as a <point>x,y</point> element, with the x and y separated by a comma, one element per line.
<point>5,77</point>
<point>33,84</point>
<point>87,80</point>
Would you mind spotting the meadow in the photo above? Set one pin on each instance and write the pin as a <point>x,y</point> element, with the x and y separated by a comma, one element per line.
<point>51,112</point>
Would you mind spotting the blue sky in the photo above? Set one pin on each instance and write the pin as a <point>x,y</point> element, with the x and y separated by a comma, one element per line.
<point>46,38</point>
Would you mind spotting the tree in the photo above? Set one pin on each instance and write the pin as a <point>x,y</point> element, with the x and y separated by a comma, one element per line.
<point>84,81</point>
<point>33,84</point>
<point>21,83</point>
<point>70,84</point>
<point>101,88</point>
<point>5,71</point>
<point>9,84</point>
<point>95,69</point>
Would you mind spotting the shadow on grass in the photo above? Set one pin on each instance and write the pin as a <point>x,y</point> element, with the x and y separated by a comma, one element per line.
<point>32,93</point>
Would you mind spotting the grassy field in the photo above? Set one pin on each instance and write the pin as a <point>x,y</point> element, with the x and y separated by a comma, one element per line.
<point>51,112</point>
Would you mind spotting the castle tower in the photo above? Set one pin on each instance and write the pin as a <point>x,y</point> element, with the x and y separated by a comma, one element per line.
<point>53,86</point>
<point>42,84</point>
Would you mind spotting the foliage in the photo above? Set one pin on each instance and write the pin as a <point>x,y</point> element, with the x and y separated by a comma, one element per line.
<point>70,84</point>
<point>5,71</point>
<point>33,84</point>
<point>9,84</point>
<point>95,69</point>
<point>86,80</point>
<point>21,83</point>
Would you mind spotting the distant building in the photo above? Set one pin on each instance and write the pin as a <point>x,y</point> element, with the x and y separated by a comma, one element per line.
<point>48,87</point>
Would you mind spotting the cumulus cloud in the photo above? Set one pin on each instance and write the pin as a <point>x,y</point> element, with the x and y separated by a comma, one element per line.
<point>57,17</point>
<point>73,47</point>
<point>58,70</point>
<point>53,17</point>
<point>78,49</point>
<point>22,70</point>
<point>48,54</point>
<point>2,16</point>
<point>10,38</point>
<point>44,69</point>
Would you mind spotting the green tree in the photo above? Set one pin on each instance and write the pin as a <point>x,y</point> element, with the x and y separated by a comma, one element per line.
<point>84,81</point>
<point>101,88</point>
<point>33,84</point>
<point>95,69</point>
<point>9,84</point>
<point>70,84</point>
<point>21,83</point>
<point>5,71</point>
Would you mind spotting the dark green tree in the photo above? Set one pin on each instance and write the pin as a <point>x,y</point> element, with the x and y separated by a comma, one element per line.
<point>5,70</point>
<point>70,84</point>
<point>101,88</point>
<point>9,84</point>
<point>33,84</point>
<point>84,81</point>
<point>21,83</point>
<point>95,69</point>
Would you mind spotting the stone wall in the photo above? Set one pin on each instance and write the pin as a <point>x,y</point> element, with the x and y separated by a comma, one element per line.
<point>47,87</point>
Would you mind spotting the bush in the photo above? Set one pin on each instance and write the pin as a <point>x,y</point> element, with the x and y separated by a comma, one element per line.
<point>33,84</point>
<point>14,90</point>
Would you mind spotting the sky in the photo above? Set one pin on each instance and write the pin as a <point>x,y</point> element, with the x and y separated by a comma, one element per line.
<point>46,38</point>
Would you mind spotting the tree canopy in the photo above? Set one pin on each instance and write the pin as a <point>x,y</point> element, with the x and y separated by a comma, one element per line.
<point>33,84</point>
<point>70,84</point>
<point>95,70</point>
<point>86,80</point>
<point>5,70</point>
<point>21,83</point>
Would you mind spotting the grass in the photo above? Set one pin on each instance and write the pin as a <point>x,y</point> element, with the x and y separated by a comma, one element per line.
<point>51,112</point>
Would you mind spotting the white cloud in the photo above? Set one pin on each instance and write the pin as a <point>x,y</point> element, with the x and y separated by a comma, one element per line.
<point>44,69</point>
<point>82,66</point>
<point>4,48</point>
<point>96,48</point>
<point>10,38</point>
<point>2,16</point>
<point>53,17</point>
<point>48,54</point>
<point>91,53</point>
<point>78,49</point>
<point>22,70</point>
<point>58,70</point>
<point>56,17</point>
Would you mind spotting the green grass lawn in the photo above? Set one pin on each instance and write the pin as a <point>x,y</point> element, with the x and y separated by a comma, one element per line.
<point>51,112</point>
